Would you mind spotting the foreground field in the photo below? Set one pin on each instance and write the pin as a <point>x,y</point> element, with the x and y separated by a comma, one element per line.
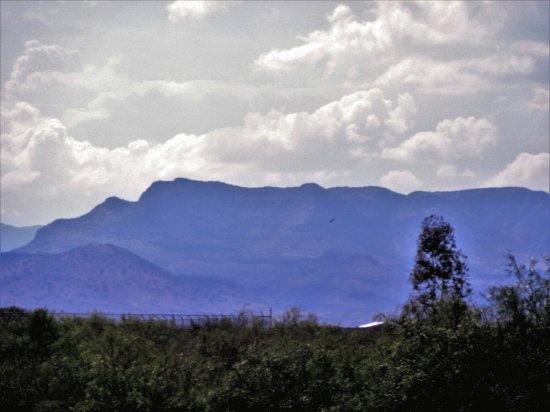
<point>96,364</point>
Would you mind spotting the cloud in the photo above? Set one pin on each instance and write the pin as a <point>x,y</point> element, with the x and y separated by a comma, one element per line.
<point>278,60</point>
<point>38,59</point>
<point>325,138</point>
<point>117,88</point>
<point>42,159</point>
<point>397,25</point>
<point>458,77</point>
<point>53,66</point>
<point>429,76</point>
<point>186,10</point>
<point>526,170</point>
<point>452,140</point>
<point>39,152</point>
<point>400,117</point>
<point>402,181</point>
<point>442,48</point>
<point>21,113</point>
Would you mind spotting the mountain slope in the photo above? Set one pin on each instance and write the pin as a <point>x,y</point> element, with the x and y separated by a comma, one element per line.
<point>343,252</point>
<point>106,278</point>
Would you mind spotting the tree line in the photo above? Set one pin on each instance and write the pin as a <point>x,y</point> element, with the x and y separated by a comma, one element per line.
<point>441,352</point>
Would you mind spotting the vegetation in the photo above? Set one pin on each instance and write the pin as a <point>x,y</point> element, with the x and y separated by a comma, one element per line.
<point>440,269</point>
<point>440,353</point>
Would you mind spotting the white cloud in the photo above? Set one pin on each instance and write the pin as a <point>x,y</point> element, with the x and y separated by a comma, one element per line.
<point>48,65</point>
<point>526,170</point>
<point>402,181</point>
<point>38,58</point>
<point>20,113</point>
<point>40,152</point>
<point>286,59</point>
<point>442,48</point>
<point>430,76</point>
<point>348,42</point>
<point>325,137</point>
<point>41,158</point>
<point>457,77</point>
<point>400,118</point>
<point>452,140</point>
<point>185,10</point>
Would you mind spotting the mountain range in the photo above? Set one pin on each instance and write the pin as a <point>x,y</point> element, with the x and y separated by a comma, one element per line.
<point>107,278</point>
<point>344,253</point>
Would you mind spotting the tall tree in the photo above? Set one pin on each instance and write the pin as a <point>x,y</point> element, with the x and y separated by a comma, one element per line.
<point>440,270</point>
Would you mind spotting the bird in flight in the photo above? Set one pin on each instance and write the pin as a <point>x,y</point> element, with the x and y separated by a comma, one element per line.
<point>332,220</point>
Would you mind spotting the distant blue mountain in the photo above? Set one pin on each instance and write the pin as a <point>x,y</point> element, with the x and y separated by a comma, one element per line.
<point>108,278</point>
<point>12,237</point>
<point>343,252</point>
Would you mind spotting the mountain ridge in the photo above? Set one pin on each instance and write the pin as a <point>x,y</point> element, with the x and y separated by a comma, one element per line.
<point>274,242</point>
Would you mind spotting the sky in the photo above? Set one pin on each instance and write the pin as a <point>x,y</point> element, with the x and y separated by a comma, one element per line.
<point>101,99</point>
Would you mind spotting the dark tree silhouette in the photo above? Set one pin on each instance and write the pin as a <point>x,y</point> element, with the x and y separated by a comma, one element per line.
<point>440,271</point>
